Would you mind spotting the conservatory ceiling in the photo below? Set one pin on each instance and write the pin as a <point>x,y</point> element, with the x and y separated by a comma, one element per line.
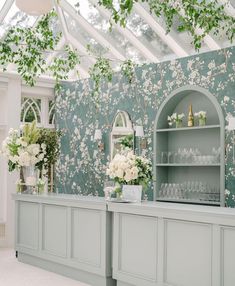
<point>143,40</point>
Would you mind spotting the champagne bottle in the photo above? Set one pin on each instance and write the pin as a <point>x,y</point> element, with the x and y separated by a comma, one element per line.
<point>190,117</point>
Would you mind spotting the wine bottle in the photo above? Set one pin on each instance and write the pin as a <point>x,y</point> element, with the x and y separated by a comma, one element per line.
<point>190,117</point>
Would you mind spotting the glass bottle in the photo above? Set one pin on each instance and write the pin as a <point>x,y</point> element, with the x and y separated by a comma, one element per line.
<point>190,117</point>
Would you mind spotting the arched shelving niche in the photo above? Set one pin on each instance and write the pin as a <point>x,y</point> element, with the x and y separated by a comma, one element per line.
<point>205,172</point>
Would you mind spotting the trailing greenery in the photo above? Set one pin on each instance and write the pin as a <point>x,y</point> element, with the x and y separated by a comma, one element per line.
<point>128,70</point>
<point>61,67</point>
<point>101,70</point>
<point>26,48</point>
<point>198,17</point>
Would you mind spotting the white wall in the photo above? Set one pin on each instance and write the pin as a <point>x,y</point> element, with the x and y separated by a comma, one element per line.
<point>11,90</point>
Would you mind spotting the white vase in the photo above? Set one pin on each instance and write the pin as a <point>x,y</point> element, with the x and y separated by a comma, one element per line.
<point>132,193</point>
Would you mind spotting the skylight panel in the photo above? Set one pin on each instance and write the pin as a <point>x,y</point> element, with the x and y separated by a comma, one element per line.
<point>2,3</point>
<point>15,17</point>
<point>143,31</point>
<point>94,17</point>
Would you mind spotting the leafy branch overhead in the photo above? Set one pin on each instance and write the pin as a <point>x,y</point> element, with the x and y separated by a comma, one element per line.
<point>26,48</point>
<point>198,17</point>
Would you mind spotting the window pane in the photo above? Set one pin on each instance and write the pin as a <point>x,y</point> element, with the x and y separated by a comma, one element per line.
<point>2,2</point>
<point>51,112</point>
<point>30,110</point>
<point>94,17</point>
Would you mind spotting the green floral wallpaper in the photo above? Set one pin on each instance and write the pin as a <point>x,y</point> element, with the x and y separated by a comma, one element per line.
<point>81,166</point>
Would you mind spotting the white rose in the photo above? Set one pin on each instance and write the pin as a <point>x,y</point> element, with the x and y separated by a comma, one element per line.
<point>134,172</point>
<point>128,175</point>
<point>40,157</point>
<point>43,146</point>
<point>36,150</point>
<point>120,173</point>
<point>24,159</point>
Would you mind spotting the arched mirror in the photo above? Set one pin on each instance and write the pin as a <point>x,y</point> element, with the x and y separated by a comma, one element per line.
<point>122,135</point>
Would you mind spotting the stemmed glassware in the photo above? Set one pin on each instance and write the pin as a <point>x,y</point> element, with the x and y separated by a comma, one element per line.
<point>190,190</point>
<point>190,156</point>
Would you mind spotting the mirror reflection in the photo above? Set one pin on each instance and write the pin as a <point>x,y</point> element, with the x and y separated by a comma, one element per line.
<point>122,135</point>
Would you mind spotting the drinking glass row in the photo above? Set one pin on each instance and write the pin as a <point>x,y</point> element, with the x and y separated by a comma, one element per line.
<point>190,155</point>
<point>189,191</point>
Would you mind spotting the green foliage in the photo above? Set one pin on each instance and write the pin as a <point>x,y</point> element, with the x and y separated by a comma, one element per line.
<point>26,48</point>
<point>101,70</point>
<point>127,141</point>
<point>198,17</point>
<point>30,133</point>
<point>61,66</point>
<point>145,173</point>
<point>50,138</point>
<point>128,70</point>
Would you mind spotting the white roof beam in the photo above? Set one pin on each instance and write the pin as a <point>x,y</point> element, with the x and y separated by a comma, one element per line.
<point>74,42</point>
<point>161,32</point>
<point>128,34</point>
<point>6,7</point>
<point>91,30</point>
<point>211,43</point>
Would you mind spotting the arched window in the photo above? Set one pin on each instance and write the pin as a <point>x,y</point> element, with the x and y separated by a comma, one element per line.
<point>31,110</point>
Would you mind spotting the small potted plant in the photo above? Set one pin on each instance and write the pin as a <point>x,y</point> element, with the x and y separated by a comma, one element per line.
<point>177,119</point>
<point>201,115</point>
<point>132,172</point>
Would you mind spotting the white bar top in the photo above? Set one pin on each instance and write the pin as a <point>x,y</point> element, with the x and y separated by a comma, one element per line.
<point>72,200</point>
<point>154,209</point>
<point>177,211</point>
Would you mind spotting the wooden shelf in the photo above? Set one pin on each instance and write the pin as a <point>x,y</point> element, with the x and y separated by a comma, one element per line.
<point>188,201</point>
<point>188,128</point>
<point>188,165</point>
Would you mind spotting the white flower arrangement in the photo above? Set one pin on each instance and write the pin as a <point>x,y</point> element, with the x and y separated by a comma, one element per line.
<point>175,117</point>
<point>200,114</point>
<point>130,169</point>
<point>19,153</point>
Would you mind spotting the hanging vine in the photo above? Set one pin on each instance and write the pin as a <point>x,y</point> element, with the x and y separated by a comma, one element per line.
<point>128,70</point>
<point>101,70</point>
<point>26,48</point>
<point>198,17</point>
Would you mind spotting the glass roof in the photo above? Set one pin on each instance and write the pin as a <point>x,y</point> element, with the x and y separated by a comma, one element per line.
<point>15,17</point>
<point>143,40</point>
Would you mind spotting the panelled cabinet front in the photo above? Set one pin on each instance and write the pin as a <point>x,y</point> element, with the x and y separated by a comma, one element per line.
<point>75,237</point>
<point>160,251</point>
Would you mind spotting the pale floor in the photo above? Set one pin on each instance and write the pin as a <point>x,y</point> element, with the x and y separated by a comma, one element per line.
<point>14,273</point>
